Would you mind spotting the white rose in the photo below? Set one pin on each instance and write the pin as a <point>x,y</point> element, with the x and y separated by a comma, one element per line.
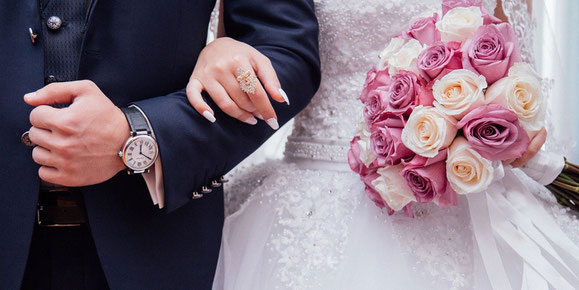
<point>460,23</point>
<point>521,92</point>
<point>392,187</point>
<point>459,92</point>
<point>393,47</point>
<point>428,131</point>
<point>366,154</point>
<point>466,170</point>
<point>405,58</point>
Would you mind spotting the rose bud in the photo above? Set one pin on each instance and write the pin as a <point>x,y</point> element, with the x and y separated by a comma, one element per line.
<point>376,105</point>
<point>386,142</point>
<point>428,131</point>
<point>459,92</point>
<point>439,59</point>
<point>424,30</point>
<point>495,133</point>
<point>391,187</point>
<point>521,93</point>
<point>466,170</point>
<point>374,78</point>
<point>426,177</point>
<point>403,92</point>
<point>491,51</point>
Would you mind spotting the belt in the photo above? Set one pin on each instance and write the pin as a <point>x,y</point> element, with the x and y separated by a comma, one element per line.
<point>60,207</point>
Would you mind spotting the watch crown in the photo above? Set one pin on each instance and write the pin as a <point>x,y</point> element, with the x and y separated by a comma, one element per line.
<point>120,153</point>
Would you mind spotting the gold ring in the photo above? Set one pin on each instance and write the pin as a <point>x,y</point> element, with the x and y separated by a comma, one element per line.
<point>247,81</point>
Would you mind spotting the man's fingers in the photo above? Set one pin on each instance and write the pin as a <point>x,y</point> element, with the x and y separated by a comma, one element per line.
<point>222,99</point>
<point>57,93</point>
<point>534,147</point>
<point>194,89</point>
<point>42,156</point>
<point>49,174</point>
<point>40,137</point>
<point>266,74</point>
<point>43,117</point>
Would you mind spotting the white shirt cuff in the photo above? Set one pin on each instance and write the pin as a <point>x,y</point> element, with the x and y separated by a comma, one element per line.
<point>154,181</point>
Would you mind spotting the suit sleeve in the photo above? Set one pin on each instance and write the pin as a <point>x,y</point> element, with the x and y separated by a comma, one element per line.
<point>195,151</point>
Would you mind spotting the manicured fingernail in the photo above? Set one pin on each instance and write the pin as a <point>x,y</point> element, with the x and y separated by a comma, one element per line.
<point>209,116</point>
<point>251,121</point>
<point>259,116</point>
<point>29,96</point>
<point>272,122</point>
<point>284,95</point>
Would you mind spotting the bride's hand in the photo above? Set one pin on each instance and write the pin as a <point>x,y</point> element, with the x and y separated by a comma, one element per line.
<point>535,145</point>
<point>218,73</point>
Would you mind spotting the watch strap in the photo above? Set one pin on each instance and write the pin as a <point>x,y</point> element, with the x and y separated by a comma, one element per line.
<point>137,121</point>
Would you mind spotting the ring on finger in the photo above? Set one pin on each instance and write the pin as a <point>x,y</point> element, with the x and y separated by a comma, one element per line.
<point>247,80</point>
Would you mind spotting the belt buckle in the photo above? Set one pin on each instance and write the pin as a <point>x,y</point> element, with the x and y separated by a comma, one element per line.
<point>60,213</point>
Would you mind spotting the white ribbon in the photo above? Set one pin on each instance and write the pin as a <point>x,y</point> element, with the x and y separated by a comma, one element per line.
<point>508,211</point>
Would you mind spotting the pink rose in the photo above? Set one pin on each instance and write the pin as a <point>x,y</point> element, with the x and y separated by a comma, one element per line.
<point>373,194</point>
<point>451,4</point>
<point>439,59</point>
<point>375,105</point>
<point>424,30</point>
<point>426,177</point>
<point>374,78</point>
<point>386,143</point>
<point>403,92</point>
<point>354,159</point>
<point>491,51</point>
<point>494,132</point>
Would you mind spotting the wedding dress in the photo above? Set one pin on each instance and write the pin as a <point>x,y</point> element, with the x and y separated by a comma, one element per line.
<point>306,223</point>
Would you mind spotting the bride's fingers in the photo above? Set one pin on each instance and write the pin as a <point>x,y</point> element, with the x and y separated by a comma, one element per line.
<point>266,74</point>
<point>259,98</point>
<point>534,147</point>
<point>193,90</point>
<point>224,102</point>
<point>229,82</point>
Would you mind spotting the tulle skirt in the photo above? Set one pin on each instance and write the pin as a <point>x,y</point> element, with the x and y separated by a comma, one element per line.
<point>310,226</point>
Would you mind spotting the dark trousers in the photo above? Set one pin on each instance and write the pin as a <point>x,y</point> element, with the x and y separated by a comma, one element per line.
<point>63,258</point>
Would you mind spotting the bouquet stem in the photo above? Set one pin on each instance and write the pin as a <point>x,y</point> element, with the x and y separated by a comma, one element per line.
<point>566,186</point>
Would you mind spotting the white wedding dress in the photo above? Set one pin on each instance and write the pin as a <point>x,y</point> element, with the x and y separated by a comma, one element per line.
<point>306,223</point>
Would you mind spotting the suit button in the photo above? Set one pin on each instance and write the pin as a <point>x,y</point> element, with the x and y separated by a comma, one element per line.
<point>54,22</point>
<point>25,139</point>
<point>50,79</point>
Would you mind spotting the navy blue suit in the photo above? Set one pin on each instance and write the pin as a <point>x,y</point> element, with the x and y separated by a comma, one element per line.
<point>143,52</point>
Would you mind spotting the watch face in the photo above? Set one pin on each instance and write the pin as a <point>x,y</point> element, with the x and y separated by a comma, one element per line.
<point>140,152</point>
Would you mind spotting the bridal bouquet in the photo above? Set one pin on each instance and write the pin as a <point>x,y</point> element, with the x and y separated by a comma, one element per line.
<point>449,100</point>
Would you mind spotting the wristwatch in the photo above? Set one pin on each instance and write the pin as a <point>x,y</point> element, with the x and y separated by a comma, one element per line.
<point>140,151</point>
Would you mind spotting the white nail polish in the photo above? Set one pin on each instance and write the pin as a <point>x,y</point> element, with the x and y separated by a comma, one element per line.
<point>29,95</point>
<point>272,122</point>
<point>259,116</point>
<point>284,95</point>
<point>209,116</point>
<point>251,121</point>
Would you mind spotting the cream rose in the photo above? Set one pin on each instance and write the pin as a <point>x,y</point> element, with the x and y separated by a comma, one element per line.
<point>366,154</point>
<point>460,23</point>
<point>459,92</point>
<point>393,47</point>
<point>392,188</point>
<point>405,58</point>
<point>466,170</point>
<point>521,93</point>
<point>428,131</point>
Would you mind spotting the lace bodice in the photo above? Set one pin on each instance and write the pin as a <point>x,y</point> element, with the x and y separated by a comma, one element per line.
<point>352,34</point>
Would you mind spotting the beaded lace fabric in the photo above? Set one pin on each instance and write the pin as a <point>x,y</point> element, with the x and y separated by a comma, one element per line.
<point>304,223</point>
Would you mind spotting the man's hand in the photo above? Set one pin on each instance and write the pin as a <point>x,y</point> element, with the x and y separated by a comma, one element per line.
<point>78,145</point>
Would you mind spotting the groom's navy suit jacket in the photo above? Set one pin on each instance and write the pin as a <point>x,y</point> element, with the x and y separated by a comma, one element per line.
<point>143,52</point>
